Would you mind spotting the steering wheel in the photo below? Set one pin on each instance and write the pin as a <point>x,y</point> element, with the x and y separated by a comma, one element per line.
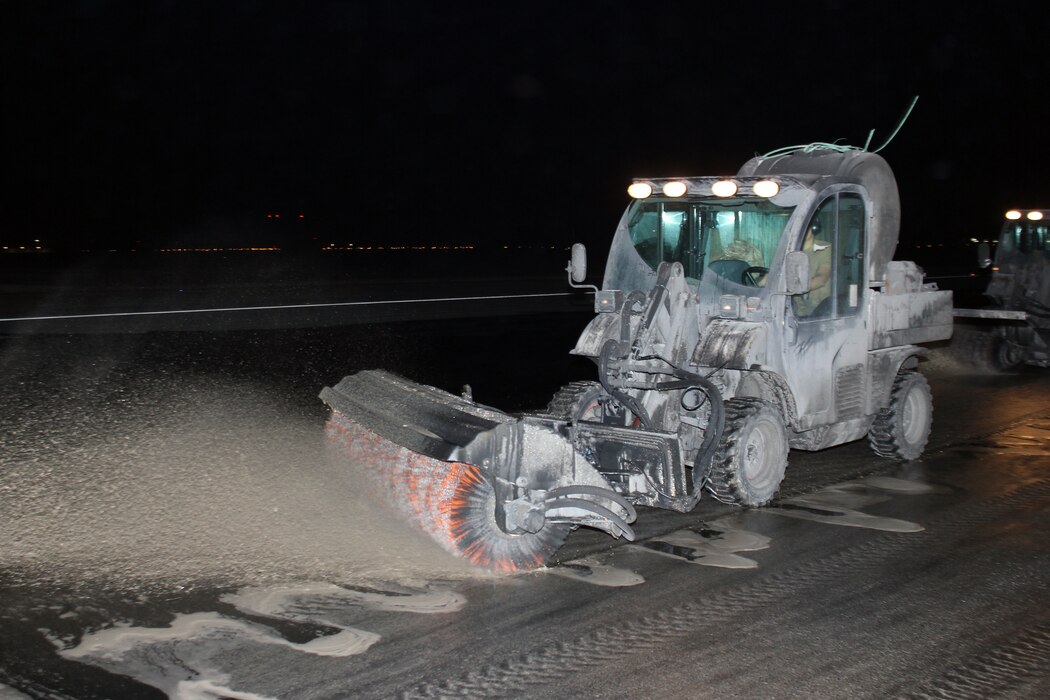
<point>753,275</point>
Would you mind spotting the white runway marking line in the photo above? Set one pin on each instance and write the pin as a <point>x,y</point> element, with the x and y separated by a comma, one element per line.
<point>381,302</point>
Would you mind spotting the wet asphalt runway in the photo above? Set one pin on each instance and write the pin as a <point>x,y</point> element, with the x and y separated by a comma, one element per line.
<point>172,524</point>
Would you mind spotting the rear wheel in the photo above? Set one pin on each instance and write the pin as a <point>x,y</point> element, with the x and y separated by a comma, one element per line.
<point>901,430</point>
<point>1008,356</point>
<point>987,351</point>
<point>751,460</point>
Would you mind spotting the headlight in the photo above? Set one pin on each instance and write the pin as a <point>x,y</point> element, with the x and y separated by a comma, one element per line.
<point>1035,216</point>
<point>1013,215</point>
<point>729,306</point>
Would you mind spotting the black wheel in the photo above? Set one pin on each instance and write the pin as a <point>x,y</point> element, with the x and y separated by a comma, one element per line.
<point>575,401</point>
<point>474,534</point>
<point>1006,355</point>
<point>750,462</point>
<point>588,401</point>
<point>986,351</point>
<point>901,430</point>
<point>754,276</point>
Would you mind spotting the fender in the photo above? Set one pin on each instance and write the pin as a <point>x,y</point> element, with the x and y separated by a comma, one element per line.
<point>883,367</point>
<point>731,344</point>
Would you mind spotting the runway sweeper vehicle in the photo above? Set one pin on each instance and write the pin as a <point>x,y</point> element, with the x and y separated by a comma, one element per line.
<point>738,317</point>
<point>1018,297</point>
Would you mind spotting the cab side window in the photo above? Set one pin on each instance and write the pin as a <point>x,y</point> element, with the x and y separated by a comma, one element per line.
<point>849,259</point>
<point>834,241</point>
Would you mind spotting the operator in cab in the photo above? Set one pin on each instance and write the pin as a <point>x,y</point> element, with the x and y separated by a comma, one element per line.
<point>819,253</point>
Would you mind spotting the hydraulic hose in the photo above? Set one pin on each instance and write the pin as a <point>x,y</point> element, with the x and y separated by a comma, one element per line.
<point>598,491</point>
<point>715,423</point>
<point>610,349</point>
<point>591,507</point>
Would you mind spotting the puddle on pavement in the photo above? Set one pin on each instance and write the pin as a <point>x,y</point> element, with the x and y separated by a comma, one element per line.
<point>718,543</point>
<point>714,544</point>
<point>1031,439</point>
<point>840,504</point>
<point>186,659</point>
<point>596,572</point>
<point>896,485</point>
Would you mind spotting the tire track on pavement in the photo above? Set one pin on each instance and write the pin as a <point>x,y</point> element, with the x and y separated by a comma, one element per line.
<point>610,643</point>
<point>994,672</point>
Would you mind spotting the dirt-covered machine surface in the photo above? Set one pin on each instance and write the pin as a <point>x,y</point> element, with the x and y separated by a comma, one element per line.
<point>739,317</point>
<point>1014,329</point>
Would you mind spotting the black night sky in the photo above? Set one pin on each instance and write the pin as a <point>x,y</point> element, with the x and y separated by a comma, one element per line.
<point>146,123</point>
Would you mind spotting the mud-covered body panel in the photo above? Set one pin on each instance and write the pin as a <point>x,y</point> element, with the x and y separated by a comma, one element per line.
<point>731,344</point>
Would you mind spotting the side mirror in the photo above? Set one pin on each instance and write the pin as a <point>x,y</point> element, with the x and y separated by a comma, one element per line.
<point>984,256</point>
<point>796,273</point>
<point>578,263</point>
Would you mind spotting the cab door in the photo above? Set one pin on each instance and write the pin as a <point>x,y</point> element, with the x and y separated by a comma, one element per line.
<point>825,363</point>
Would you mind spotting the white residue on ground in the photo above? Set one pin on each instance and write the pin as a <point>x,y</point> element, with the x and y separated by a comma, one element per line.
<point>716,544</point>
<point>596,572</point>
<point>9,693</point>
<point>327,603</point>
<point>840,504</point>
<point>187,660</point>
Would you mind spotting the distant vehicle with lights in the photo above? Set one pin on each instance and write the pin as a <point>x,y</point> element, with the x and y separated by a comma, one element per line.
<point>738,317</point>
<point>1018,294</point>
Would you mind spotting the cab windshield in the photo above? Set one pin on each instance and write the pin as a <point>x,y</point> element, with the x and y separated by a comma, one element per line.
<point>1025,236</point>
<point>731,237</point>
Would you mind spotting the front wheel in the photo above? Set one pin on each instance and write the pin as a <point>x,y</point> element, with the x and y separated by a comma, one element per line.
<point>751,460</point>
<point>901,430</point>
